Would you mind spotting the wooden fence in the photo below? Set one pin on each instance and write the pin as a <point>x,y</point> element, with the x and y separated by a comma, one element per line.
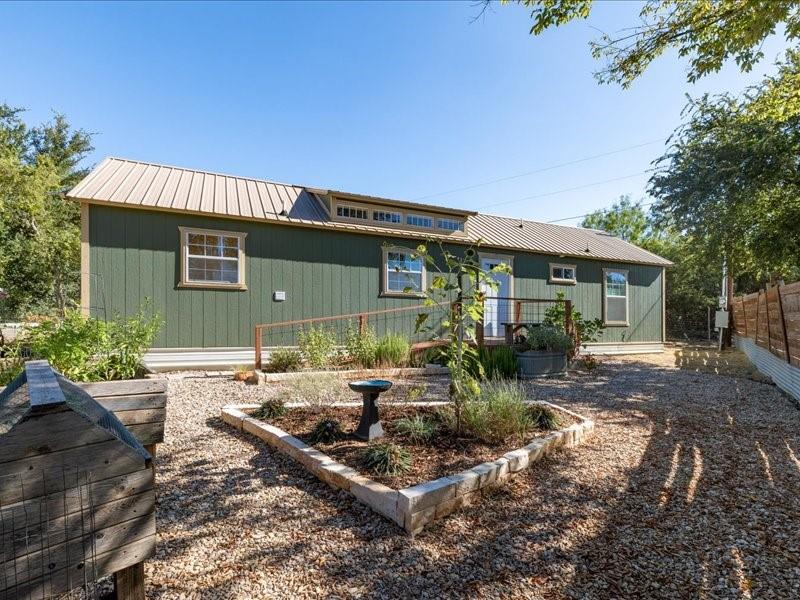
<point>772,319</point>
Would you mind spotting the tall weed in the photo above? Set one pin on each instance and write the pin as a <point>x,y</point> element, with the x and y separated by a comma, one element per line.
<point>393,350</point>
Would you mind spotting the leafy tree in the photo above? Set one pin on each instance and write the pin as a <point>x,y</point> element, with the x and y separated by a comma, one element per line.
<point>707,33</point>
<point>625,219</point>
<point>39,229</point>
<point>731,182</point>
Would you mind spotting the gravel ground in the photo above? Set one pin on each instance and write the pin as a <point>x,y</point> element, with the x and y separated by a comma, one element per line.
<point>689,488</point>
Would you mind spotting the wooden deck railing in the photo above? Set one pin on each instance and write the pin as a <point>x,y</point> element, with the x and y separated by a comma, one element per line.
<point>364,317</point>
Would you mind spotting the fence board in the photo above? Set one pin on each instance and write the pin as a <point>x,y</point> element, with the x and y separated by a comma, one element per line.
<point>739,322</point>
<point>762,322</point>
<point>776,334</point>
<point>790,301</point>
<point>750,303</point>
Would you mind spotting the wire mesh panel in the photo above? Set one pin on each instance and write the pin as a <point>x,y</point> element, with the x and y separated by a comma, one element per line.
<point>421,325</point>
<point>49,541</point>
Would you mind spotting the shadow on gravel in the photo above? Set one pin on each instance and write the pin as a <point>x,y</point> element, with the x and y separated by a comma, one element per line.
<point>688,488</point>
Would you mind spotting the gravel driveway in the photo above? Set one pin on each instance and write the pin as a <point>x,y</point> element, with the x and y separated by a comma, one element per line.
<point>689,488</point>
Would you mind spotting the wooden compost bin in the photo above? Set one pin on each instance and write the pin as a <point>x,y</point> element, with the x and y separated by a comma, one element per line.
<point>77,500</point>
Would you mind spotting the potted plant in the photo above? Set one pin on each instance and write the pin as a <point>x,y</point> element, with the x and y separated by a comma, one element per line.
<point>543,352</point>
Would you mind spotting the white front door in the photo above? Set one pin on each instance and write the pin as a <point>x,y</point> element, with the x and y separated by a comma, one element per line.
<point>496,309</point>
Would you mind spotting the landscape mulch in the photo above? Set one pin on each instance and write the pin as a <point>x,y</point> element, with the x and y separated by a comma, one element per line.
<point>688,488</point>
<point>445,454</point>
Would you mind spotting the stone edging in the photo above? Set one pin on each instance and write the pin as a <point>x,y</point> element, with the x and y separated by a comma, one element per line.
<point>412,508</point>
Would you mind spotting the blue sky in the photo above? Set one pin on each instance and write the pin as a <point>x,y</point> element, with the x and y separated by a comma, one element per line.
<point>404,100</point>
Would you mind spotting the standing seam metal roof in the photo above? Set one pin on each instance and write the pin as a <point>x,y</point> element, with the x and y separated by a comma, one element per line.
<point>138,184</point>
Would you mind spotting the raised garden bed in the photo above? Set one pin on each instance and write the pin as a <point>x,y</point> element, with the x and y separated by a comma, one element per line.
<point>446,474</point>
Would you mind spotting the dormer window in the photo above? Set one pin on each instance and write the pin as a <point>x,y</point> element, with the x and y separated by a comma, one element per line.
<point>352,212</point>
<point>419,221</point>
<point>385,216</point>
<point>450,224</point>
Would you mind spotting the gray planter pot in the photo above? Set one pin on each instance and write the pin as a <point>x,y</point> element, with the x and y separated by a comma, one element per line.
<point>536,363</point>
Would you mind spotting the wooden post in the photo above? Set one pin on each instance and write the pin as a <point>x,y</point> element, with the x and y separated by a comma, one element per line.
<point>362,324</point>
<point>509,334</point>
<point>479,327</point>
<point>129,582</point>
<point>727,338</point>
<point>151,449</point>
<point>517,312</point>
<point>568,316</point>
<point>258,348</point>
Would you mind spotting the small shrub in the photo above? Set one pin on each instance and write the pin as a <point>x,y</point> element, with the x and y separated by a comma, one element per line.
<point>417,429</point>
<point>498,414</point>
<point>242,373</point>
<point>433,356</point>
<point>415,392</point>
<point>543,417</point>
<point>499,362</point>
<point>284,360</point>
<point>315,391</point>
<point>386,458</point>
<point>588,363</point>
<point>86,349</point>
<point>548,339</point>
<point>317,345</point>
<point>326,431</point>
<point>361,346</point>
<point>586,330</point>
<point>393,350</point>
<point>270,409</point>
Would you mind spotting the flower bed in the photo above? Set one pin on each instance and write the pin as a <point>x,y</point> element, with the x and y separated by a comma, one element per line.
<point>450,473</point>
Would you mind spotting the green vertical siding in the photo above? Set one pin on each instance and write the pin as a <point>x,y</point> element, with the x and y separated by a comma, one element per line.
<point>136,254</point>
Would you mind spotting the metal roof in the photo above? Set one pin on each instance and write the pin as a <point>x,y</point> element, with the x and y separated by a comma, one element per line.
<point>137,184</point>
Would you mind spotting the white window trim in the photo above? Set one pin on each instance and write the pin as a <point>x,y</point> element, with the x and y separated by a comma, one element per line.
<point>562,280</point>
<point>186,283</point>
<point>385,291</point>
<point>419,216</point>
<point>625,323</point>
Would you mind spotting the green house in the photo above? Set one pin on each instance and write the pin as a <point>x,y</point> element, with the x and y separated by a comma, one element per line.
<point>218,254</point>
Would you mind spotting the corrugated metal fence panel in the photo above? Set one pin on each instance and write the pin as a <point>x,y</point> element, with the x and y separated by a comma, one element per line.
<point>135,254</point>
<point>783,374</point>
<point>790,302</point>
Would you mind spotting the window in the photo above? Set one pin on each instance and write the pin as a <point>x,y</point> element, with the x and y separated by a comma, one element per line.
<point>419,221</point>
<point>404,272</point>
<point>352,212</point>
<point>562,274</point>
<point>450,224</point>
<point>386,217</point>
<point>615,305</point>
<point>212,258</point>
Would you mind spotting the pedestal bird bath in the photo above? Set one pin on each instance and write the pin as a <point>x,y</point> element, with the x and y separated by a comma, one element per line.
<point>369,428</point>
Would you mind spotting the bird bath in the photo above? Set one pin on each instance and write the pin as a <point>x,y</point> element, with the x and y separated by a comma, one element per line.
<point>369,428</point>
